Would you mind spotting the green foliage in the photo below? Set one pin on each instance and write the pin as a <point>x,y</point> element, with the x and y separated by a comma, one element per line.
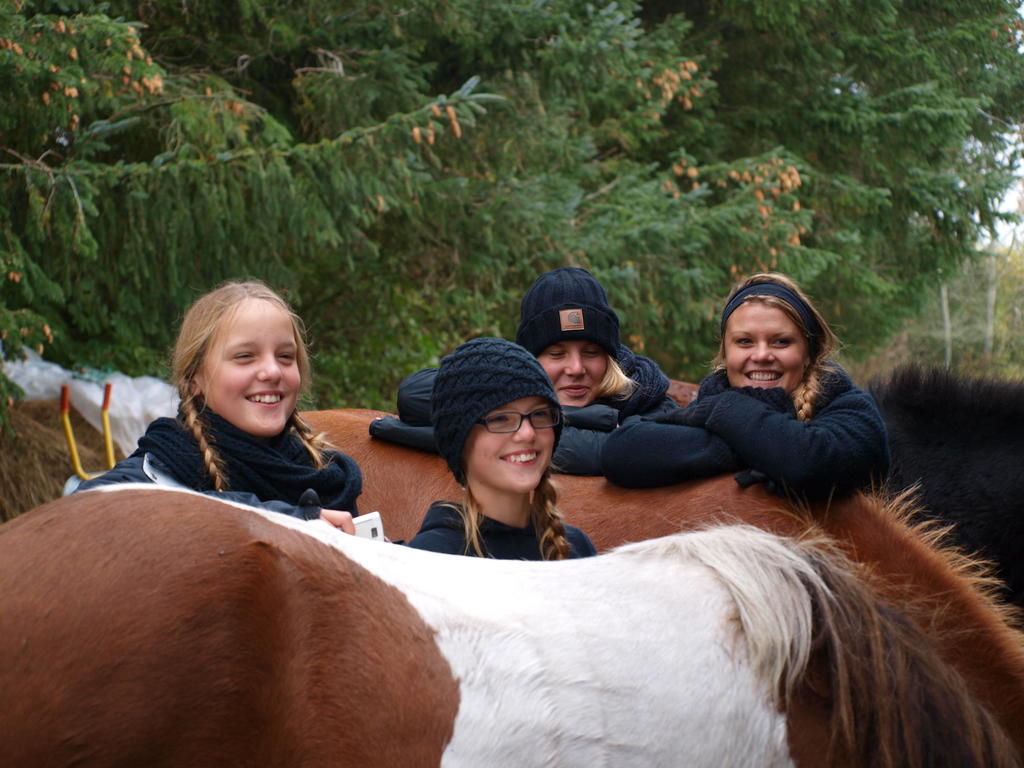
<point>404,170</point>
<point>897,112</point>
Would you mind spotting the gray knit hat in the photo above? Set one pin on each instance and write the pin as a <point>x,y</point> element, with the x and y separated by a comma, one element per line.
<point>567,304</point>
<point>479,376</point>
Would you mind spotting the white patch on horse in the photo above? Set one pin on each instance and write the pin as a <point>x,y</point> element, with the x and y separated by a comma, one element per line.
<point>667,652</point>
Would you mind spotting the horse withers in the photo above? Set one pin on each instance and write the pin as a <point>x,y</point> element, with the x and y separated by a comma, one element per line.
<point>149,626</point>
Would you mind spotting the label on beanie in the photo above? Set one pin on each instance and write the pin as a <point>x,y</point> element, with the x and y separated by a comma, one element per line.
<point>571,319</point>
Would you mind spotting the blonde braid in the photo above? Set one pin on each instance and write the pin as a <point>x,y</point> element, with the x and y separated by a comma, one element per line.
<point>316,444</point>
<point>547,521</point>
<point>803,397</point>
<point>214,463</point>
<point>807,393</point>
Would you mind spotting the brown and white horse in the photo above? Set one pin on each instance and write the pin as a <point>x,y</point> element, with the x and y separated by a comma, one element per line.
<point>150,626</point>
<point>944,591</point>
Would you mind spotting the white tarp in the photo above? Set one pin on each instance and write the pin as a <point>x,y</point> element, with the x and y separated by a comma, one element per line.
<point>134,402</point>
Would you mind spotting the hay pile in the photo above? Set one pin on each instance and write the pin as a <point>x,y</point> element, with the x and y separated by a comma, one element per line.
<point>35,464</point>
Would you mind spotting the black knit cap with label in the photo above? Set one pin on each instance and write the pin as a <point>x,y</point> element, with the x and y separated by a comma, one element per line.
<point>542,318</point>
<point>479,376</point>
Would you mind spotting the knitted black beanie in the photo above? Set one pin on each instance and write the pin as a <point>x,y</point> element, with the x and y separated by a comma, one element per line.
<point>479,376</point>
<point>567,304</point>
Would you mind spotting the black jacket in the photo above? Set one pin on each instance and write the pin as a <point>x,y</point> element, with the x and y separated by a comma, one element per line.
<point>842,448</point>
<point>442,531</point>
<point>583,436</point>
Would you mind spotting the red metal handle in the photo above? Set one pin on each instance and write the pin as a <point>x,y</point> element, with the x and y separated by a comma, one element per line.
<point>64,398</point>
<point>106,397</point>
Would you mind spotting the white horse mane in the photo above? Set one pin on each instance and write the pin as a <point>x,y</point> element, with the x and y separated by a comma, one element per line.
<point>769,578</point>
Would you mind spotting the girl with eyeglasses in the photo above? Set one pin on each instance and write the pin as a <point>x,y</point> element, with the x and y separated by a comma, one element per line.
<point>497,421</point>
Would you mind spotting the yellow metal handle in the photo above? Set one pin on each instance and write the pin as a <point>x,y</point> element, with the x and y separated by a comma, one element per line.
<point>69,435</point>
<point>108,440</point>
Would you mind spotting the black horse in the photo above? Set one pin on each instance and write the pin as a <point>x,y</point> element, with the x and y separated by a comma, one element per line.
<point>962,439</point>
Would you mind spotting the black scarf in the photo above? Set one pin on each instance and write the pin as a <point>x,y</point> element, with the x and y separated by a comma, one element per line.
<point>651,384</point>
<point>279,469</point>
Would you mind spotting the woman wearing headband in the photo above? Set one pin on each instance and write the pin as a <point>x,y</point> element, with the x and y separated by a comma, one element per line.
<point>776,408</point>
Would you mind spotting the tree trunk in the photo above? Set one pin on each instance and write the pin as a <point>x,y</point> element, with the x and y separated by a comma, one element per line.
<point>990,304</point>
<point>947,327</point>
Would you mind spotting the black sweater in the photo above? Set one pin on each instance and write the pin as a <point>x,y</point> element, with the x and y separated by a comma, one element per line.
<point>442,531</point>
<point>842,448</point>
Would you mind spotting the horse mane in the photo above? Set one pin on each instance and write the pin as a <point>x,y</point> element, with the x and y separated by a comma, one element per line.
<point>766,580</point>
<point>939,392</point>
<point>976,573</point>
<point>801,603</point>
<point>908,516</point>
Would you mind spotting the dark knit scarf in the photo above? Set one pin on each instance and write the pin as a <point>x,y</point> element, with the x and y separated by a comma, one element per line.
<point>651,384</point>
<point>279,469</point>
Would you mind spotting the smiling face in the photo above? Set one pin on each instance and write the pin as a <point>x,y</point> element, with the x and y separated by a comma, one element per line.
<point>511,464</point>
<point>250,375</point>
<point>764,348</point>
<point>575,368</point>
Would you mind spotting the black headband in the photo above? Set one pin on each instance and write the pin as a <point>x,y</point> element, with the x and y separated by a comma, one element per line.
<point>779,291</point>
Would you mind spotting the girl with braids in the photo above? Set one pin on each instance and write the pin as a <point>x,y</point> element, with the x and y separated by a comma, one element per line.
<point>497,421</point>
<point>776,408</point>
<point>240,363</point>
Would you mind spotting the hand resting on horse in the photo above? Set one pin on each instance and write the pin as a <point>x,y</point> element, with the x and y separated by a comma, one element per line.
<point>339,519</point>
<point>310,500</point>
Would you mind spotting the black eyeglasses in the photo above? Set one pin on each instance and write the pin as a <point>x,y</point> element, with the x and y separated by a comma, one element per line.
<point>511,421</point>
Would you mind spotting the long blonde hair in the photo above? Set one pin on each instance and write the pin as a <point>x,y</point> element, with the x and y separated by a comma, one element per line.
<point>547,521</point>
<point>827,342</point>
<point>199,328</point>
<point>615,384</point>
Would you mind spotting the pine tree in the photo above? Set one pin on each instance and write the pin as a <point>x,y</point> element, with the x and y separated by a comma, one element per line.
<point>403,171</point>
